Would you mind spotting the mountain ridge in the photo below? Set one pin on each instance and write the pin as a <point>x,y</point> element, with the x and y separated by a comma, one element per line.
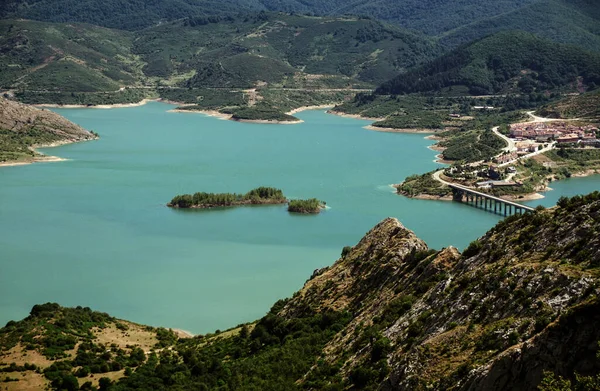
<point>502,63</point>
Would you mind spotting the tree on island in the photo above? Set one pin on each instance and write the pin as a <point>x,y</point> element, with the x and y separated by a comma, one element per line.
<point>311,205</point>
<point>260,195</point>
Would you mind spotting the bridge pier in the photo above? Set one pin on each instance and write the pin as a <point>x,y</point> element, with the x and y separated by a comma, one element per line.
<point>485,201</point>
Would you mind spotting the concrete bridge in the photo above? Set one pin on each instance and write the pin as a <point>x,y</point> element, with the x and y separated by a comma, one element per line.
<point>486,201</point>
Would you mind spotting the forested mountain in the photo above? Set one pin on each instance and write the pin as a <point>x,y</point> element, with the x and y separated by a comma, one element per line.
<point>66,57</point>
<point>121,14</point>
<point>430,16</point>
<point>207,52</point>
<point>517,309</point>
<point>271,47</point>
<point>565,21</point>
<point>507,62</point>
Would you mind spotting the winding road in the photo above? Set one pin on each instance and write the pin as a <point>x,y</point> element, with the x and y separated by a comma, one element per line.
<point>510,143</point>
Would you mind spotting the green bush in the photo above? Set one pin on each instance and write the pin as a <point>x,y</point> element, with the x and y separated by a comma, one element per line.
<point>311,205</point>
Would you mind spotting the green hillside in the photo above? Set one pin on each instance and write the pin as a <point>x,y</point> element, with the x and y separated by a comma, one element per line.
<point>121,14</point>
<point>230,52</point>
<point>270,47</point>
<point>572,22</point>
<point>584,106</point>
<point>507,62</point>
<point>430,16</point>
<point>65,57</point>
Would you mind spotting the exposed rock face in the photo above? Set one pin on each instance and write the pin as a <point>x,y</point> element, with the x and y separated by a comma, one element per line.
<point>21,118</point>
<point>519,301</point>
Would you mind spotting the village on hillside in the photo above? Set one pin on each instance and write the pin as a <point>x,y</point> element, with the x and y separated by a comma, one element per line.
<point>525,140</point>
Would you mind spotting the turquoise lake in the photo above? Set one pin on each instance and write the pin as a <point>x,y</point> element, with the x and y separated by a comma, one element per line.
<point>94,231</point>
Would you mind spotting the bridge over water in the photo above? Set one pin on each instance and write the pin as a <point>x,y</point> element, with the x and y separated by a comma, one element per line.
<point>486,201</point>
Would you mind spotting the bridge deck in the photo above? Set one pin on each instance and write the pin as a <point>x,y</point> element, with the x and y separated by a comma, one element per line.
<point>468,190</point>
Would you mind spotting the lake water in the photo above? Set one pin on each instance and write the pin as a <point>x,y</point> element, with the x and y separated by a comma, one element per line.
<point>94,231</point>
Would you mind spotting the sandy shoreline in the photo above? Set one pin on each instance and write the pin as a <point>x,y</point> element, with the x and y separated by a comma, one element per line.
<point>523,197</point>
<point>400,130</point>
<point>113,106</point>
<point>210,113</point>
<point>41,158</point>
<point>304,108</point>
<point>229,117</point>
<point>267,122</point>
<point>355,116</point>
<point>183,333</point>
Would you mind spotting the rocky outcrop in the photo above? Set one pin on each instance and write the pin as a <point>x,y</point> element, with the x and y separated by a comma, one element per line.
<point>21,118</point>
<point>517,302</point>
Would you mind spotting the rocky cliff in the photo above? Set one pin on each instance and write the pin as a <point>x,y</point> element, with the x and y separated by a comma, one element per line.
<point>519,301</point>
<point>516,310</point>
<point>23,127</point>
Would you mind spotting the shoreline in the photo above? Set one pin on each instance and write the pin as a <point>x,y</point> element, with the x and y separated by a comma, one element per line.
<point>210,113</point>
<point>314,107</point>
<point>243,203</point>
<point>401,130</point>
<point>355,116</point>
<point>41,157</point>
<point>267,121</point>
<point>229,117</point>
<point>524,197</point>
<point>180,333</point>
<point>104,107</point>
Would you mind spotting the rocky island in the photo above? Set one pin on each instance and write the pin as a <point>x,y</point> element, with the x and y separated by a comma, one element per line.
<point>201,200</point>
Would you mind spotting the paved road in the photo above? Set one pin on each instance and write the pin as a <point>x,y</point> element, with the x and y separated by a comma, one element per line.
<point>510,143</point>
<point>549,147</point>
<point>535,118</point>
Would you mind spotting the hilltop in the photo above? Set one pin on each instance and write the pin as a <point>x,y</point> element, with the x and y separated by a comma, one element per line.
<point>506,62</point>
<point>517,309</point>
<point>24,127</point>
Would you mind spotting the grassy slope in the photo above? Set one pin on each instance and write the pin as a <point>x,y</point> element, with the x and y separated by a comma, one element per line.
<point>66,57</point>
<point>585,106</point>
<point>558,20</point>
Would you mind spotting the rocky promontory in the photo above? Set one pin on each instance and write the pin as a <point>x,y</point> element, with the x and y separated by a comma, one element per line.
<point>24,127</point>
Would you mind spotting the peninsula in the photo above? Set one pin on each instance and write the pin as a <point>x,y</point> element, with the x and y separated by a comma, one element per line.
<point>24,128</point>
